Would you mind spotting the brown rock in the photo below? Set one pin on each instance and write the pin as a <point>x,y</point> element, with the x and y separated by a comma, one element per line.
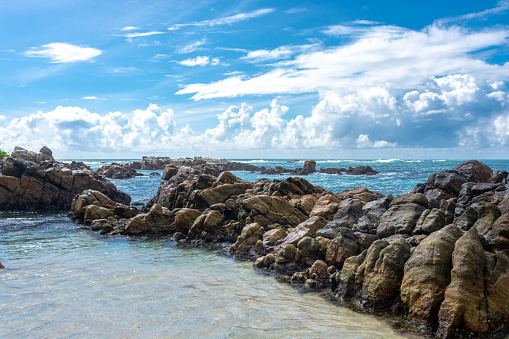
<point>326,207</point>
<point>307,228</point>
<point>399,219</point>
<point>169,171</point>
<point>342,247</point>
<point>427,274</point>
<point>475,171</point>
<point>464,300</point>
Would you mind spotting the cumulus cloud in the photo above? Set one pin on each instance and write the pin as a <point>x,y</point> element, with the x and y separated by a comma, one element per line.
<point>76,129</point>
<point>199,61</point>
<point>228,20</point>
<point>59,52</point>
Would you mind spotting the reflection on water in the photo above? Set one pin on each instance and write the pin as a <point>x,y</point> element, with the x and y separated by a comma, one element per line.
<point>65,281</point>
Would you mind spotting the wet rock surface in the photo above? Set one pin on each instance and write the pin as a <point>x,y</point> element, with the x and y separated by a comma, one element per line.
<point>438,254</point>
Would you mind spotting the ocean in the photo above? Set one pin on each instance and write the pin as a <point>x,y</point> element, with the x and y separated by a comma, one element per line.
<point>63,280</point>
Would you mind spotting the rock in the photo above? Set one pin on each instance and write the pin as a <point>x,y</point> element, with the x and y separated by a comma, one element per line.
<point>430,221</point>
<point>273,236</point>
<point>410,198</point>
<point>347,277</point>
<point>158,220</point>
<point>498,237</point>
<point>169,172</point>
<point>382,281</point>
<point>227,177</point>
<point>474,171</point>
<point>209,221</point>
<point>117,171</point>
<point>427,273</point>
<point>185,218</point>
<point>307,228</point>
<point>497,291</point>
<point>487,213</point>
<point>308,168</point>
<point>342,247</point>
<point>326,207</point>
<point>498,177</point>
<point>371,214</point>
<point>466,220</point>
<point>249,237</point>
<point>319,269</point>
<point>308,247</point>
<point>361,170</point>
<point>220,194</point>
<point>464,300</point>
<point>151,163</point>
<point>444,185</point>
<point>347,215</point>
<point>399,219</point>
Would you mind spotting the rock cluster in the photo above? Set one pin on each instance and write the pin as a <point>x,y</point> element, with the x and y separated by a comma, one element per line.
<point>117,171</point>
<point>309,167</point>
<point>439,253</point>
<point>221,165</point>
<point>30,181</point>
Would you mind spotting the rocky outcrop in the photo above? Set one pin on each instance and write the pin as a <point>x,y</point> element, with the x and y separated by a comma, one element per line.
<point>117,171</point>
<point>35,181</point>
<point>438,254</point>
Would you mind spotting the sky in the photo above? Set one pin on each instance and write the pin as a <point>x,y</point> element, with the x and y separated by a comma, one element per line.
<point>256,79</point>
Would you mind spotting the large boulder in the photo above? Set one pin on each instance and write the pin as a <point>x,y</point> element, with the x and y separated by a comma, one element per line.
<point>382,281</point>
<point>307,228</point>
<point>464,300</point>
<point>427,273</point>
<point>474,171</point>
<point>399,219</point>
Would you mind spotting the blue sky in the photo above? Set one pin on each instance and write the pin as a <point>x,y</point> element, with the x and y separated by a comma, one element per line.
<point>256,79</point>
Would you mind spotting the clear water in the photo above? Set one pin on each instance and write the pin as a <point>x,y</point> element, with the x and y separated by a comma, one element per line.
<point>65,281</point>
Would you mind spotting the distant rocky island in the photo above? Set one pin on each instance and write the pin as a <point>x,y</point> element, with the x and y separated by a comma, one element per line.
<point>216,166</point>
<point>439,254</point>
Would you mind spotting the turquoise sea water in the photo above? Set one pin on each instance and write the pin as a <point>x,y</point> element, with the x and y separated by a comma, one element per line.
<point>64,281</point>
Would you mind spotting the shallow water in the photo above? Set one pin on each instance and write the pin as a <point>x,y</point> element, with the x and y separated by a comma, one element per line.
<point>64,281</point>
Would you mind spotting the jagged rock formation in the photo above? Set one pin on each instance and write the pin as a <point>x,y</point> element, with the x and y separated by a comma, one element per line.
<point>439,254</point>
<point>31,181</point>
<point>117,171</point>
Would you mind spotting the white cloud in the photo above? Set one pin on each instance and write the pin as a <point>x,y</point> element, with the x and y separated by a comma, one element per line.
<point>92,98</point>
<point>191,47</point>
<point>129,28</point>
<point>264,55</point>
<point>502,6</point>
<point>228,20</point>
<point>123,70</point>
<point>140,34</point>
<point>363,141</point>
<point>59,52</point>
<point>384,55</point>
<point>200,61</point>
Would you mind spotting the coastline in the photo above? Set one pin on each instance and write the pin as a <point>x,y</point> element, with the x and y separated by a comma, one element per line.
<point>286,226</point>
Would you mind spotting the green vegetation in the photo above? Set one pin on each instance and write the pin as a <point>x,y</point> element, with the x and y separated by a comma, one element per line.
<point>3,154</point>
